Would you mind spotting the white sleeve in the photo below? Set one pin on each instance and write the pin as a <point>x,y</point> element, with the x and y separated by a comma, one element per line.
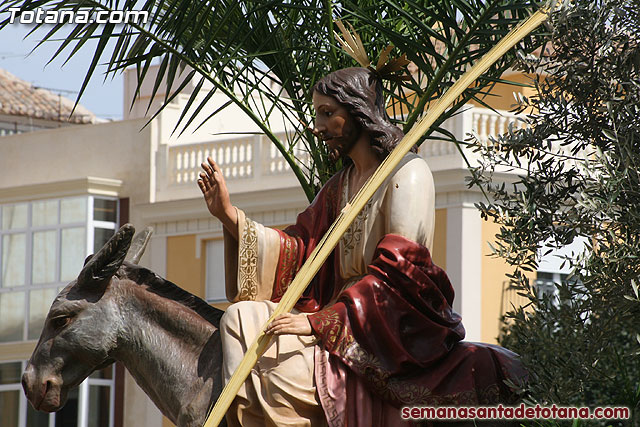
<point>250,261</point>
<point>410,202</point>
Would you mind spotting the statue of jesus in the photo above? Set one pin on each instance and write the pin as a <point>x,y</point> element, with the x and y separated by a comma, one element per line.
<point>375,330</point>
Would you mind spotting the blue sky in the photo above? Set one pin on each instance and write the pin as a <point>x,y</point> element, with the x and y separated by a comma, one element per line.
<point>103,98</point>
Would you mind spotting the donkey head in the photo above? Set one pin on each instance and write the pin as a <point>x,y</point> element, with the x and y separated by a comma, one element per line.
<point>81,329</point>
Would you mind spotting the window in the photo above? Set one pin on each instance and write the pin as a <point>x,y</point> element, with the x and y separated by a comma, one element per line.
<point>546,283</point>
<point>554,267</point>
<point>215,287</point>
<point>43,245</point>
<point>89,405</point>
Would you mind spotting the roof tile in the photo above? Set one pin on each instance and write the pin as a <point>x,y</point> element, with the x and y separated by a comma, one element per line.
<point>20,98</point>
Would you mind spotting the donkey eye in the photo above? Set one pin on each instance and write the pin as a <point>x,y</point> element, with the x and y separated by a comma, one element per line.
<point>60,322</point>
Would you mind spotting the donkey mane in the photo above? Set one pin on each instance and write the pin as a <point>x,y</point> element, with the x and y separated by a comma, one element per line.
<point>169,290</point>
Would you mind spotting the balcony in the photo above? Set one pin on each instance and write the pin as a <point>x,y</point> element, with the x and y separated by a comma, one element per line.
<point>252,163</point>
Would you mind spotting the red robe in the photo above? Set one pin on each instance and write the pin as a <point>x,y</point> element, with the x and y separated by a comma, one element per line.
<point>394,329</point>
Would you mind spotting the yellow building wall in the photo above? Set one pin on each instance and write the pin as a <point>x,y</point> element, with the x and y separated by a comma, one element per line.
<point>494,272</point>
<point>501,97</point>
<point>439,255</point>
<point>494,278</point>
<point>185,270</point>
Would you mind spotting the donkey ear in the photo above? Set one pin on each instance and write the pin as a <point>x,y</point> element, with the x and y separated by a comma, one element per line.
<point>138,245</point>
<point>108,260</point>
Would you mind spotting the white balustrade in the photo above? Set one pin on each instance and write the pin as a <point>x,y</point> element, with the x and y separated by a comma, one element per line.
<point>235,158</point>
<point>238,159</point>
<point>273,161</point>
<point>486,123</point>
<point>256,164</point>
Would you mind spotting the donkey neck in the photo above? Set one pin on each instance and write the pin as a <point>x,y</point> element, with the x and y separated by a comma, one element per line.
<point>167,347</point>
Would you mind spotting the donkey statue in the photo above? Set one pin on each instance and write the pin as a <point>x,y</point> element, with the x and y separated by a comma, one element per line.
<point>167,338</point>
<point>115,310</point>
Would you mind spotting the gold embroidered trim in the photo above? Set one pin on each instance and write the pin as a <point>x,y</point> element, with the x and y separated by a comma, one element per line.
<point>248,262</point>
<point>370,367</point>
<point>335,333</point>
<point>399,390</point>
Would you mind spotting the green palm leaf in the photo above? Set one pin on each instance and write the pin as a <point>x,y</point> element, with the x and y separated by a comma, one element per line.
<point>265,56</point>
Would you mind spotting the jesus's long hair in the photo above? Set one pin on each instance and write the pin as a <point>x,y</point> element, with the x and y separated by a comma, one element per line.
<point>359,90</point>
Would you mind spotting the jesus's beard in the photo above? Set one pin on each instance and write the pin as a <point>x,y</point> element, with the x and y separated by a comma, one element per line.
<point>339,152</point>
<point>340,146</point>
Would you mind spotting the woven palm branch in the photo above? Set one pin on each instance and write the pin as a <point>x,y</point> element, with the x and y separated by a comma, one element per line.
<point>352,44</point>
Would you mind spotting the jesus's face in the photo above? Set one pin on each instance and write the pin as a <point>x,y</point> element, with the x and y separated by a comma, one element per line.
<point>334,125</point>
